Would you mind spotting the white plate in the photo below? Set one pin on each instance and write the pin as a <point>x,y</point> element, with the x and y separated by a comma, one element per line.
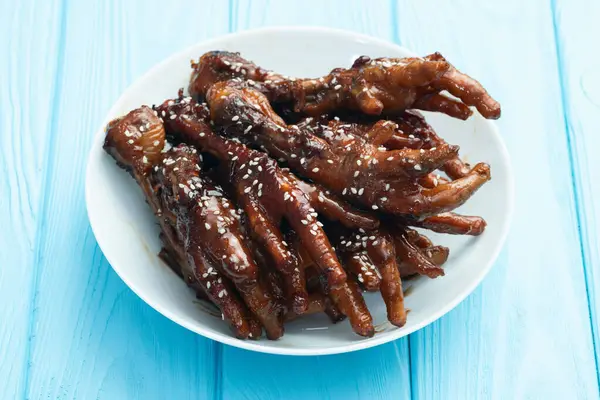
<point>128,235</point>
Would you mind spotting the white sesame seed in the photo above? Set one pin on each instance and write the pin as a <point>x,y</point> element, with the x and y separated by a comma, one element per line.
<point>293,155</point>
<point>234,158</point>
<point>358,162</point>
<point>304,222</point>
<point>433,148</point>
<point>221,231</point>
<point>344,191</point>
<point>173,116</point>
<point>286,195</point>
<point>202,134</point>
<point>374,207</point>
<point>315,169</point>
<point>383,199</point>
<point>360,278</point>
<point>418,167</point>
<point>314,233</point>
<point>247,190</point>
<point>361,191</point>
<point>387,186</point>
<point>235,118</point>
<point>130,141</point>
<point>302,160</point>
<point>353,190</point>
<point>390,158</point>
<point>321,199</point>
<point>337,87</point>
<point>356,173</point>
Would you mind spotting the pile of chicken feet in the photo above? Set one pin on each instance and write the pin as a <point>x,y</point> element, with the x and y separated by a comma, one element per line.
<point>279,197</point>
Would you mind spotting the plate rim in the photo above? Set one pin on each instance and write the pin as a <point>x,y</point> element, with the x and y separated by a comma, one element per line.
<point>251,345</point>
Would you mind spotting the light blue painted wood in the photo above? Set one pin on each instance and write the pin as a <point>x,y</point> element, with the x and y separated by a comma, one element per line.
<point>576,28</point>
<point>69,328</point>
<point>91,336</point>
<point>27,88</point>
<point>525,333</point>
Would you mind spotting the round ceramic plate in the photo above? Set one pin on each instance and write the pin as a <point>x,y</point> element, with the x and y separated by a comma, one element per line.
<point>127,231</point>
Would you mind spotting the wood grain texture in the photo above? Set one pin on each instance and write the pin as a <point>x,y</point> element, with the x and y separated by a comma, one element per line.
<point>27,92</point>
<point>576,27</point>
<point>381,372</point>
<point>525,333</point>
<point>91,336</point>
<point>70,328</point>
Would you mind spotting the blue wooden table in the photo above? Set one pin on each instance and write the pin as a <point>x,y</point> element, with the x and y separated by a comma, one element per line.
<point>71,329</point>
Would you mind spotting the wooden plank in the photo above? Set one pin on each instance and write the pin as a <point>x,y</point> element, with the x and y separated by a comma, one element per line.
<point>91,336</point>
<point>526,332</point>
<point>27,88</point>
<point>381,372</point>
<point>576,26</point>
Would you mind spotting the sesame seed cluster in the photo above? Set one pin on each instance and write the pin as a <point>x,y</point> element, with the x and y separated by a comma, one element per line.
<point>279,197</point>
